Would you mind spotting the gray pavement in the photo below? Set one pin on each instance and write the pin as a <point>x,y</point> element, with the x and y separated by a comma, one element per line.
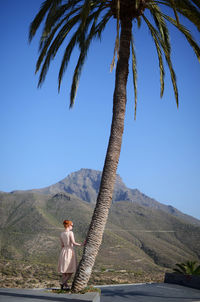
<point>155,292</point>
<point>43,295</point>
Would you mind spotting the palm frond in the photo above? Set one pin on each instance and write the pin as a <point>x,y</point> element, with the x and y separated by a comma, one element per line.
<point>101,26</point>
<point>83,54</point>
<point>116,48</point>
<point>159,53</point>
<point>187,35</point>
<point>54,48</point>
<point>38,19</point>
<point>139,21</point>
<point>45,42</point>
<point>66,57</point>
<point>160,23</point>
<point>52,16</point>
<point>137,3</point>
<point>175,11</point>
<point>45,7</point>
<point>44,45</point>
<point>181,268</point>
<point>80,16</point>
<point>187,9</point>
<point>196,2</point>
<point>85,11</point>
<point>59,13</point>
<point>78,37</point>
<point>167,57</point>
<point>172,74</point>
<point>197,270</point>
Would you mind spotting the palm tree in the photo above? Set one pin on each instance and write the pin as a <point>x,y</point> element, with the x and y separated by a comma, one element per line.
<point>83,21</point>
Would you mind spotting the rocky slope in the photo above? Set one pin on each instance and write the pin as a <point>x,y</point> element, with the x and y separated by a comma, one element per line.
<point>85,183</point>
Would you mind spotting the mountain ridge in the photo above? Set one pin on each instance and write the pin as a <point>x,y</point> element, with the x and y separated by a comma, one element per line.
<point>84,184</point>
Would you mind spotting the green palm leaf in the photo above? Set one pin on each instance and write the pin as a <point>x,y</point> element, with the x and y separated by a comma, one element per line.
<point>181,268</point>
<point>197,270</point>
<point>83,53</point>
<point>188,268</point>
<point>116,48</point>
<point>196,2</point>
<point>187,35</point>
<point>160,23</point>
<point>54,48</point>
<point>57,22</point>
<point>185,8</point>
<point>159,53</point>
<point>39,18</point>
<point>157,38</point>
<point>78,38</point>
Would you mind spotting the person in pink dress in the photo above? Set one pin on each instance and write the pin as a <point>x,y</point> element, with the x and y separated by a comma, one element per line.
<point>67,263</point>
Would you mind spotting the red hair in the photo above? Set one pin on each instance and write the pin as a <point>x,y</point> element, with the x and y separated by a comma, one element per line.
<point>67,223</point>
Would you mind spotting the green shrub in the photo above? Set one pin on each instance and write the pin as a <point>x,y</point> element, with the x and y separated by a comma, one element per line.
<point>188,268</point>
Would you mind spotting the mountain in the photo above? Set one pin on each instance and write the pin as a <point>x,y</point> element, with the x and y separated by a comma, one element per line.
<point>141,236</point>
<point>85,183</point>
<point>136,236</point>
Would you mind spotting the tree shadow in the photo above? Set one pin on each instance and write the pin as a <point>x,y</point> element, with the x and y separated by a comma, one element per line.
<point>38,297</point>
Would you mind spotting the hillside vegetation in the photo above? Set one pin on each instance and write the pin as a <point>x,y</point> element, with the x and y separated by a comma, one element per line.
<point>140,242</point>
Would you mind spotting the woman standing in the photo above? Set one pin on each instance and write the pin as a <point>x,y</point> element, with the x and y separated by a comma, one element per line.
<point>67,262</point>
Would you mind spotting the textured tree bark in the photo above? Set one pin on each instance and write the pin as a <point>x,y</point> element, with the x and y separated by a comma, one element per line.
<point>104,199</point>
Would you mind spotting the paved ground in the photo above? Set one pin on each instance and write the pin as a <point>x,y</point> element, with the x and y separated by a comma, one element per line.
<point>160,292</point>
<point>43,295</point>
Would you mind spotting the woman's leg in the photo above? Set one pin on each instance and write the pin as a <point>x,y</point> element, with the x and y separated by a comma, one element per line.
<point>62,281</point>
<point>65,278</point>
<point>68,276</point>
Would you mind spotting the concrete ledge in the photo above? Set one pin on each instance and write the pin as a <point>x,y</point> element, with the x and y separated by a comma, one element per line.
<point>42,295</point>
<point>185,280</point>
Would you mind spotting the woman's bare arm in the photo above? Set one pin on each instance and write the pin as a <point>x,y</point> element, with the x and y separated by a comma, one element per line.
<point>73,239</point>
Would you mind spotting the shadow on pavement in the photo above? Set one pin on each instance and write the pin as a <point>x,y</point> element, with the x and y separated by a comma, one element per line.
<point>39,297</point>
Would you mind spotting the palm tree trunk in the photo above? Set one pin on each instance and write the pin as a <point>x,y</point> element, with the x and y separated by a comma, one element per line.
<point>104,199</point>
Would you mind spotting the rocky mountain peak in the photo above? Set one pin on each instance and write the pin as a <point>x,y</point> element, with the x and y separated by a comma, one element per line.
<point>85,183</point>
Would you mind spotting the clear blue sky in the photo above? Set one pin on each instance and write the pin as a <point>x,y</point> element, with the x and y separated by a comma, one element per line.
<point>42,141</point>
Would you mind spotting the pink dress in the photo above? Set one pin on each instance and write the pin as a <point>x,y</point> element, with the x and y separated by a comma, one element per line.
<point>67,260</point>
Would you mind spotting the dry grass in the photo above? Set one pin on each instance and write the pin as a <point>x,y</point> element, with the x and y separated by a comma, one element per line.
<point>22,275</point>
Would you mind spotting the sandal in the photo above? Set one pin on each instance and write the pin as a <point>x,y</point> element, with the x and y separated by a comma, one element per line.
<point>66,286</point>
